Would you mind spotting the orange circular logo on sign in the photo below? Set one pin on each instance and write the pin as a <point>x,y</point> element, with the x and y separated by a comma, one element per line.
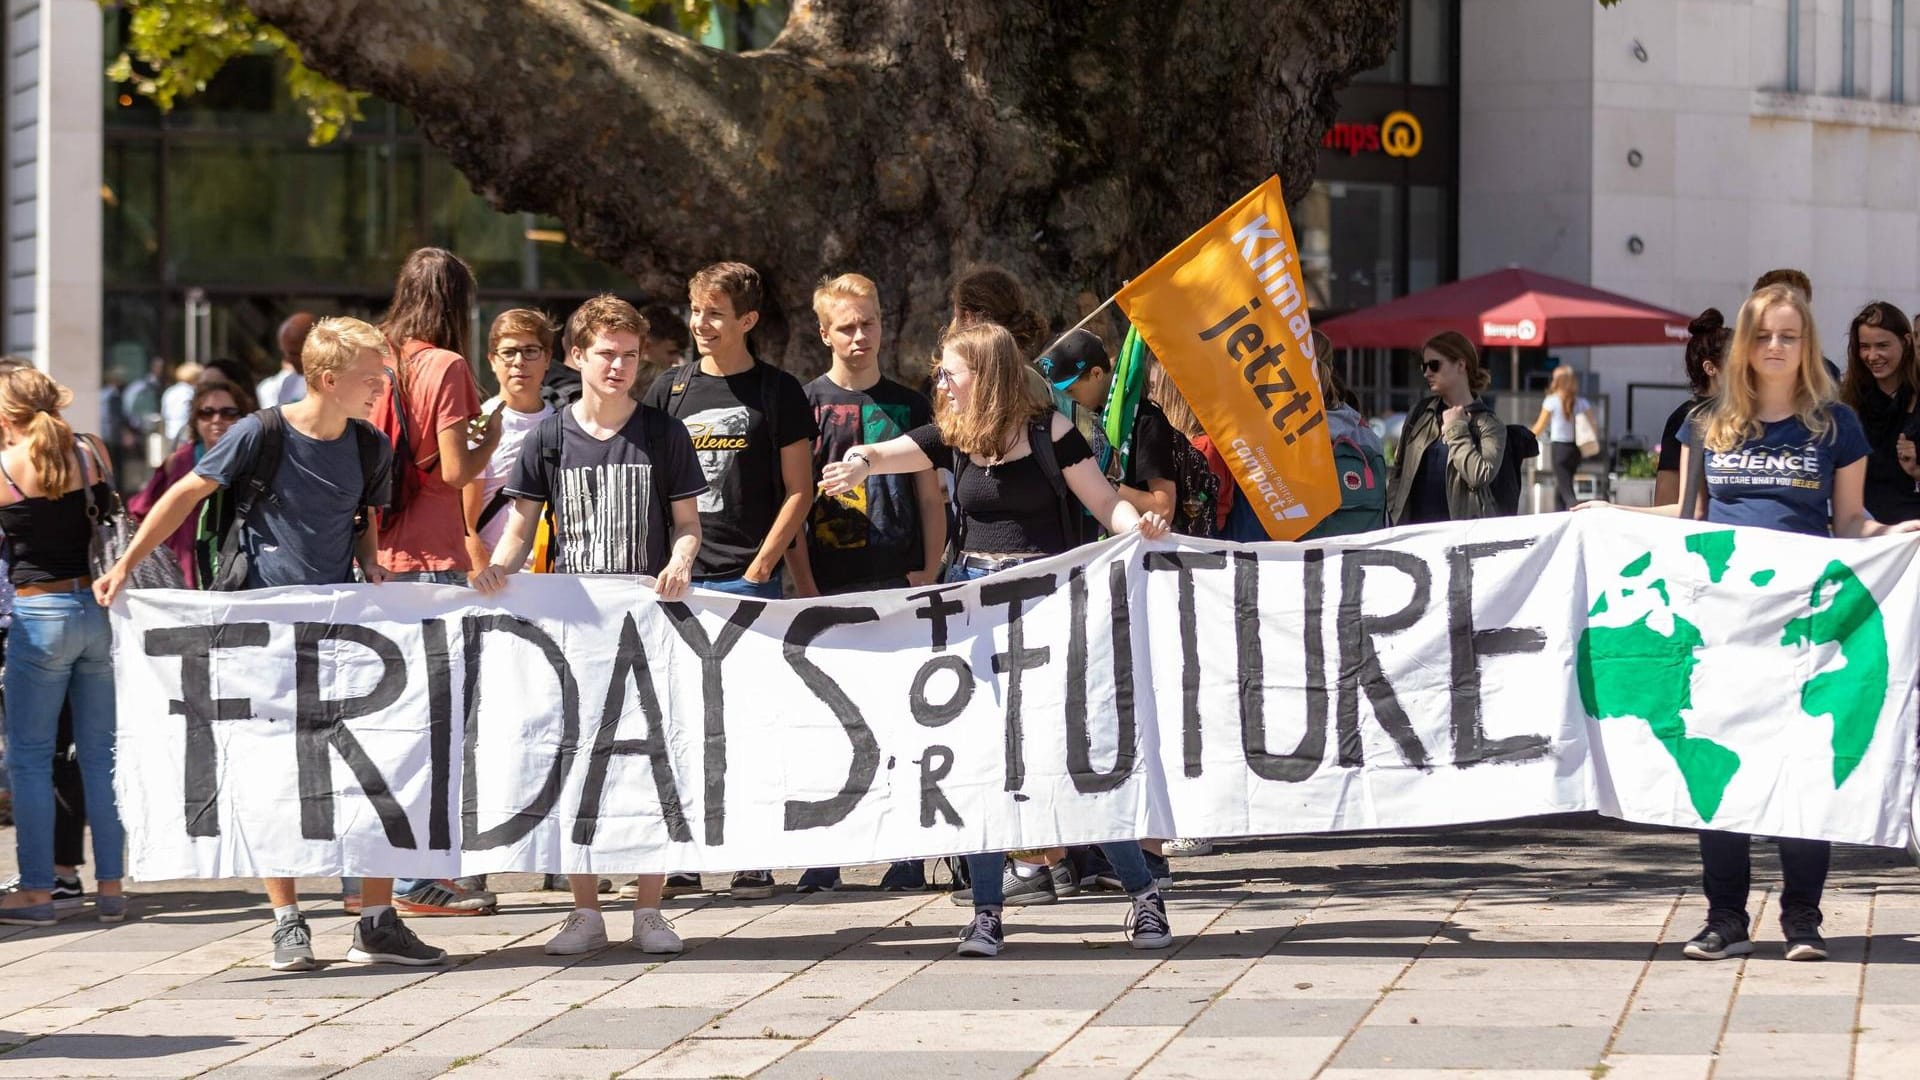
<point>1400,134</point>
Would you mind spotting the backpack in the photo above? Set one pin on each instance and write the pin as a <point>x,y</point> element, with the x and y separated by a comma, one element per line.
<point>390,419</point>
<point>1362,472</point>
<point>220,557</point>
<point>1521,445</point>
<point>1196,494</point>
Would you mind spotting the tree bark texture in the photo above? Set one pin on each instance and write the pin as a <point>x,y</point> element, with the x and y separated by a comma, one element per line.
<point>1070,141</point>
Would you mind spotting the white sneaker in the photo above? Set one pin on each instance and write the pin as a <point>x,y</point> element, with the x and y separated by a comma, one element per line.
<point>652,933</point>
<point>583,932</point>
<point>1187,848</point>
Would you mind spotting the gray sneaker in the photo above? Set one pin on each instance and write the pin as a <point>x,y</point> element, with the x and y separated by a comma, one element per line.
<point>384,939</point>
<point>292,945</point>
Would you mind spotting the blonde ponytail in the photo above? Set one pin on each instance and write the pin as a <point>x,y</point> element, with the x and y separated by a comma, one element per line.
<point>31,403</point>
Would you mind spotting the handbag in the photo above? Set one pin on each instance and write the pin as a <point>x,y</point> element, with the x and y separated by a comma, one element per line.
<point>109,535</point>
<point>1584,437</point>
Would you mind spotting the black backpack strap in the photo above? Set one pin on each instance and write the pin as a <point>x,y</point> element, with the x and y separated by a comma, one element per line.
<point>1040,441</point>
<point>961,461</point>
<point>769,404</point>
<point>252,485</point>
<point>680,378</point>
<point>368,440</point>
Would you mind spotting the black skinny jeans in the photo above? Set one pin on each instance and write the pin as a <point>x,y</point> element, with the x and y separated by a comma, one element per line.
<point>1726,860</point>
<point>1566,459</point>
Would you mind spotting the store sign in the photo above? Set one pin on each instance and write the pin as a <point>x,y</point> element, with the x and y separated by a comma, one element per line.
<point>1399,135</point>
<point>1523,332</point>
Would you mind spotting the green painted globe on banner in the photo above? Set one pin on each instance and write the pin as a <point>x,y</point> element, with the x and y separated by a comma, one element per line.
<point>1640,652</point>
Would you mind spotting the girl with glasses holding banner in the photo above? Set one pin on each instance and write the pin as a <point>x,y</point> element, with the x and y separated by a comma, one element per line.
<point>1772,449</point>
<point>1452,445</point>
<point>1012,457</point>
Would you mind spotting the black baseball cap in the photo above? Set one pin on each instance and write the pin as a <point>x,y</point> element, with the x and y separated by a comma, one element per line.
<point>1071,356</point>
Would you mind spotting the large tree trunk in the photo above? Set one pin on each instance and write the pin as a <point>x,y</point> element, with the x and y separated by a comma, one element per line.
<point>1071,142</point>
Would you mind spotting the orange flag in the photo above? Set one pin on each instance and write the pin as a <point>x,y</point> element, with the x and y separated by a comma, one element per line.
<point>1225,313</point>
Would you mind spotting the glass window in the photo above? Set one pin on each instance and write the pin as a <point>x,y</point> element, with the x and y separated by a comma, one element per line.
<point>1428,227</point>
<point>1430,42</point>
<point>246,212</point>
<point>130,211</point>
<point>1349,240</point>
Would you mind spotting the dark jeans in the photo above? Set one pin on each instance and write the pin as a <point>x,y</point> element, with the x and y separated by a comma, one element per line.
<point>1566,459</point>
<point>1726,860</point>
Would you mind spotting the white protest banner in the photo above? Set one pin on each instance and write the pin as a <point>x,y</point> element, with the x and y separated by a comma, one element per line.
<point>1657,671</point>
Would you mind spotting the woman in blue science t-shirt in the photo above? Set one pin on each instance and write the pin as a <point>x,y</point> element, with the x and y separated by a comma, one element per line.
<point>1782,454</point>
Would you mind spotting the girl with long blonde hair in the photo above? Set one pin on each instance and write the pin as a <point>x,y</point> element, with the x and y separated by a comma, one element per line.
<point>59,648</point>
<point>1010,513</point>
<point>1773,449</point>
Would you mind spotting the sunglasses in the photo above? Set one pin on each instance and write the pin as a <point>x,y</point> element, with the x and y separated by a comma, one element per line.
<point>1431,366</point>
<point>224,412</point>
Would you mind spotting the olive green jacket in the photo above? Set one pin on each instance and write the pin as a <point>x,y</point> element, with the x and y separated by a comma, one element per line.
<point>1476,445</point>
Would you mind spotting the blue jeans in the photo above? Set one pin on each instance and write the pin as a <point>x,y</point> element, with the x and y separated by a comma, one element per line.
<point>1125,856</point>
<point>740,586</point>
<point>60,648</point>
<point>959,572</point>
<point>423,577</point>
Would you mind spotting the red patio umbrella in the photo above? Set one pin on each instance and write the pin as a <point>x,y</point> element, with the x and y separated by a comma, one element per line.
<point>1513,307</point>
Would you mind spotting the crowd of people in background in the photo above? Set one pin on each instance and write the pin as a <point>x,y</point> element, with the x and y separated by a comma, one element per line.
<point>639,442</point>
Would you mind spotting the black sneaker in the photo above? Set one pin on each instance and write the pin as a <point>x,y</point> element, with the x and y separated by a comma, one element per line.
<point>1066,882</point>
<point>1802,929</point>
<point>819,879</point>
<point>292,945</point>
<point>1033,887</point>
<point>559,883</point>
<point>68,892</point>
<point>1724,935</point>
<point>1147,925</point>
<point>907,876</point>
<point>384,939</point>
<point>983,936</point>
<point>752,885</point>
<point>681,884</point>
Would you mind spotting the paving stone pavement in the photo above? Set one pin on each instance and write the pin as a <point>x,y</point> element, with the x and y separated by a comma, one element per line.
<point>1545,950</point>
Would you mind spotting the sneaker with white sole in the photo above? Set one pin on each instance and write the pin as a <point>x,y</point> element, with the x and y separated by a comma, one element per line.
<point>1187,848</point>
<point>1724,935</point>
<point>1801,925</point>
<point>583,932</point>
<point>1147,924</point>
<point>292,945</point>
<point>678,885</point>
<point>751,885</point>
<point>68,892</point>
<point>384,939</point>
<point>652,933</point>
<point>446,897</point>
<point>983,936</point>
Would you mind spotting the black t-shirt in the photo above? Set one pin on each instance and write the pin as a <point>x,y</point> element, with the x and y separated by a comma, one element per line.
<point>738,446</point>
<point>613,512</point>
<point>1890,494</point>
<point>1151,456</point>
<point>1427,502</point>
<point>1670,435</point>
<point>1010,508</point>
<point>871,533</point>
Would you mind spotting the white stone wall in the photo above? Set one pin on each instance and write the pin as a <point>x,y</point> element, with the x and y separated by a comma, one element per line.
<point>1736,174</point>
<point>52,294</point>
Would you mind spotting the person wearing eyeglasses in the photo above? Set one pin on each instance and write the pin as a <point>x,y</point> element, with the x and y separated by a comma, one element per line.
<point>217,404</point>
<point>519,349</point>
<point>1452,444</point>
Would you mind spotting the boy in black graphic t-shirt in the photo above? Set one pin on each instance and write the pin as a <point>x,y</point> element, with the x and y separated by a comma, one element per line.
<point>890,531</point>
<point>623,477</point>
<point>752,432</point>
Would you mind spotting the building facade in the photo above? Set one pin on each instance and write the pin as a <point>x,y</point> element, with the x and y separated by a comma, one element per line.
<point>1670,150</point>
